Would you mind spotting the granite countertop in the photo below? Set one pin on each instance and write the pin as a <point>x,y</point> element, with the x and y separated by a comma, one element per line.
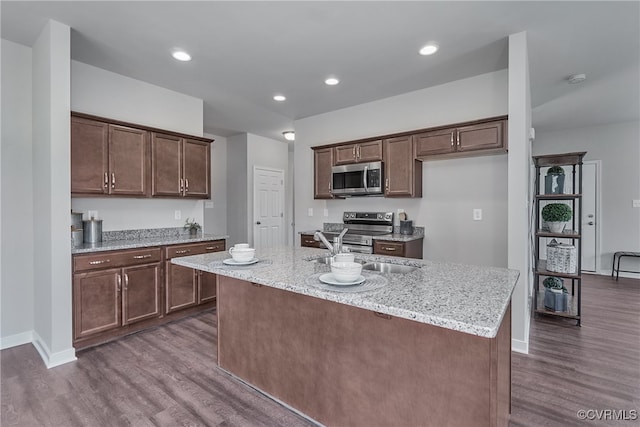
<point>465,298</point>
<point>132,242</point>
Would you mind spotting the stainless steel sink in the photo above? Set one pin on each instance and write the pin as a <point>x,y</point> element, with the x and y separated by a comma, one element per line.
<point>385,267</point>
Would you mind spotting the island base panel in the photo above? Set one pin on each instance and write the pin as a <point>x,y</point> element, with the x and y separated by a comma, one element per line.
<point>343,365</point>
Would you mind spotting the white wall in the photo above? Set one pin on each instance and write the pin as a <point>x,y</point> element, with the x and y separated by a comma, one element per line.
<point>215,217</point>
<point>103,93</point>
<point>51,197</point>
<point>451,188</point>
<point>617,146</point>
<point>16,281</point>
<point>519,188</point>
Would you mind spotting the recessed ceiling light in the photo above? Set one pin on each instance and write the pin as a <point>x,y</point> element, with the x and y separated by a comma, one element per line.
<point>181,55</point>
<point>429,49</point>
<point>289,135</point>
<point>332,81</point>
<point>279,98</point>
<point>576,78</point>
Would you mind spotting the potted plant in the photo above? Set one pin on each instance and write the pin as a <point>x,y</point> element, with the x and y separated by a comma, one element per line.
<point>554,180</point>
<point>555,215</point>
<point>192,226</point>
<point>555,294</point>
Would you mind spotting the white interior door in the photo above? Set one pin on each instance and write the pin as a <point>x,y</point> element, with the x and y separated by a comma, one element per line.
<point>268,207</point>
<point>589,216</point>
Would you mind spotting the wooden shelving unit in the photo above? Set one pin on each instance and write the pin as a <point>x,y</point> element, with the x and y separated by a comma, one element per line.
<point>574,198</point>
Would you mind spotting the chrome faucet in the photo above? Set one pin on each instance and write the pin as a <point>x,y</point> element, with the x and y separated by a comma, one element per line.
<point>334,249</point>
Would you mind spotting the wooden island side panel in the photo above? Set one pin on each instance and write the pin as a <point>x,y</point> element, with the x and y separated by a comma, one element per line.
<point>347,366</point>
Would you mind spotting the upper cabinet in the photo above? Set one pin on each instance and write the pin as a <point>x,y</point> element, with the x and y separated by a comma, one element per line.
<point>402,172</point>
<point>112,158</point>
<point>487,137</point>
<point>108,159</point>
<point>322,163</point>
<point>181,167</point>
<point>370,151</point>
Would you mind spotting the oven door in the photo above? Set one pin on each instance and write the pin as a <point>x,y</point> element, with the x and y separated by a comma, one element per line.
<point>358,249</point>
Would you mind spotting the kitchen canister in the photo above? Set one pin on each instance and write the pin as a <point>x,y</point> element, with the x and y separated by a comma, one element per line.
<point>76,220</point>
<point>561,258</point>
<point>406,227</point>
<point>92,230</point>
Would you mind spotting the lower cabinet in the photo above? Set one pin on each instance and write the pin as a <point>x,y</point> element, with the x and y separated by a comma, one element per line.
<point>186,287</point>
<point>119,292</point>
<point>410,249</point>
<point>308,241</point>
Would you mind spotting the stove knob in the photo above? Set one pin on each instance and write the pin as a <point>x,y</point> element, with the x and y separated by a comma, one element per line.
<point>387,216</point>
<point>379,216</point>
<point>353,214</point>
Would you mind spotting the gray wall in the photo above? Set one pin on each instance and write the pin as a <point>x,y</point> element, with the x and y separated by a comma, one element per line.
<point>237,189</point>
<point>617,146</point>
<point>215,212</point>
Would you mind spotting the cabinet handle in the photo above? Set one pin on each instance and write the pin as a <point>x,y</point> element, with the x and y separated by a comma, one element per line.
<point>186,185</point>
<point>185,251</point>
<point>119,283</point>
<point>359,151</point>
<point>142,256</point>
<point>257,285</point>
<point>98,262</point>
<point>387,183</point>
<point>181,185</point>
<point>126,281</point>
<point>458,138</point>
<point>390,249</point>
<point>353,151</point>
<point>106,180</point>
<point>113,180</point>
<point>212,248</point>
<point>452,138</point>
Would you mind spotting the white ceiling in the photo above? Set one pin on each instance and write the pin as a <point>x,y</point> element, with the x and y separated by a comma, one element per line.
<point>245,52</point>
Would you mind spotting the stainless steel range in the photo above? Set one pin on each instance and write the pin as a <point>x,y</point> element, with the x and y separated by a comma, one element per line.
<point>362,227</point>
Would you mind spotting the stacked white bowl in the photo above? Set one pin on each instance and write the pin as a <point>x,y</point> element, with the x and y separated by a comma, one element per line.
<point>346,271</point>
<point>241,252</point>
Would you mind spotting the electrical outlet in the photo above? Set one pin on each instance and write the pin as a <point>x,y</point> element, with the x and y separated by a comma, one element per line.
<point>208,205</point>
<point>310,212</point>
<point>477,214</point>
<point>636,204</point>
<point>326,212</point>
<point>177,214</point>
<point>92,214</point>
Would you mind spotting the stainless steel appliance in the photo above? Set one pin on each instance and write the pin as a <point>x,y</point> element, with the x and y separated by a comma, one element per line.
<point>362,227</point>
<point>92,229</point>
<point>360,179</point>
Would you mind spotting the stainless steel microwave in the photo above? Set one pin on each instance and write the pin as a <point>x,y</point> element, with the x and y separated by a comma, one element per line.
<point>358,179</point>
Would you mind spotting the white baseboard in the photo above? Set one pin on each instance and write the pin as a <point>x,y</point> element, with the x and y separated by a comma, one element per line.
<point>52,360</point>
<point>608,273</point>
<point>16,340</point>
<point>520,346</point>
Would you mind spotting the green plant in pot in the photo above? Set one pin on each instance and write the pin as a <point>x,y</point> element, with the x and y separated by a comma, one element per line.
<point>556,214</point>
<point>192,226</point>
<point>554,180</point>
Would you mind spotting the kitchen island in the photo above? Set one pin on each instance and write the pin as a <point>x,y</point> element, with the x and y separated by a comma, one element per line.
<point>430,347</point>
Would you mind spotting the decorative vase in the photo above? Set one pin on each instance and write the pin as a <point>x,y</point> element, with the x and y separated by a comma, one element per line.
<point>556,226</point>
<point>553,184</point>
<point>193,231</point>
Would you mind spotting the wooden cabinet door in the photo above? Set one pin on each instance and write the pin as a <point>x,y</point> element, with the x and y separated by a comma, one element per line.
<point>128,161</point>
<point>308,241</point>
<point>166,165</point>
<point>403,174</point>
<point>322,163</point>
<point>370,151</point>
<point>437,142</point>
<point>196,168</point>
<point>345,154</point>
<point>208,282</point>
<point>483,136</point>
<point>89,156</point>
<point>96,302</point>
<point>141,293</point>
<point>181,290</point>
<point>388,247</point>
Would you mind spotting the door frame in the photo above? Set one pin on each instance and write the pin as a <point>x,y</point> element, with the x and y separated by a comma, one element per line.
<point>253,202</point>
<point>598,213</point>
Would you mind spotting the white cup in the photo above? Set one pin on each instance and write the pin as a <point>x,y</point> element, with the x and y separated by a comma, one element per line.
<point>343,257</point>
<point>242,252</point>
<point>238,246</point>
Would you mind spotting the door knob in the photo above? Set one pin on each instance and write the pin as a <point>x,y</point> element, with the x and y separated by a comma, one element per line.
<point>258,222</point>
<point>590,223</point>
<point>590,216</point>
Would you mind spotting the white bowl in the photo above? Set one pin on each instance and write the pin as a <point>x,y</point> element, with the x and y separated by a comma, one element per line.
<point>243,255</point>
<point>346,271</point>
<point>343,257</point>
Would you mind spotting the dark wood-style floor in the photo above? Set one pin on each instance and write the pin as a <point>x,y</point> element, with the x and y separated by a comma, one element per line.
<point>167,376</point>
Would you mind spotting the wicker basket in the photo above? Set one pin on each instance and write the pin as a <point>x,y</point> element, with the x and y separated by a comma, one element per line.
<point>561,258</point>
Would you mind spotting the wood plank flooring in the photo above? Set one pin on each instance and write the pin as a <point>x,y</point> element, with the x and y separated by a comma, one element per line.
<point>167,376</point>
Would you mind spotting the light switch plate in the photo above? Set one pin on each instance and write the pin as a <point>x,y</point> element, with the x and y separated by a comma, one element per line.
<point>477,214</point>
<point>636,203</point>
<point>310,212</point>
<point>92,214</point>
<point>326,212</point>
<point>208,205</point>
<point>177,214</point>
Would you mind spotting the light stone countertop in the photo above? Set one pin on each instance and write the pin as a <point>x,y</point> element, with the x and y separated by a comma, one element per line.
<point>143,242</point>
<point>465,298</point>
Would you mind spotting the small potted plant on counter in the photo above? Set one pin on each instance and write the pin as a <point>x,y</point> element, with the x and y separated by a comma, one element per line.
<point>192,226</point>
<point>555,215</point>
<point>554,180</point>
<point>555,294</point>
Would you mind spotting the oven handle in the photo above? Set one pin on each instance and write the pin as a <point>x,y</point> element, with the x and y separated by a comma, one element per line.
<point>358,249</point>
<point>365,178</point>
